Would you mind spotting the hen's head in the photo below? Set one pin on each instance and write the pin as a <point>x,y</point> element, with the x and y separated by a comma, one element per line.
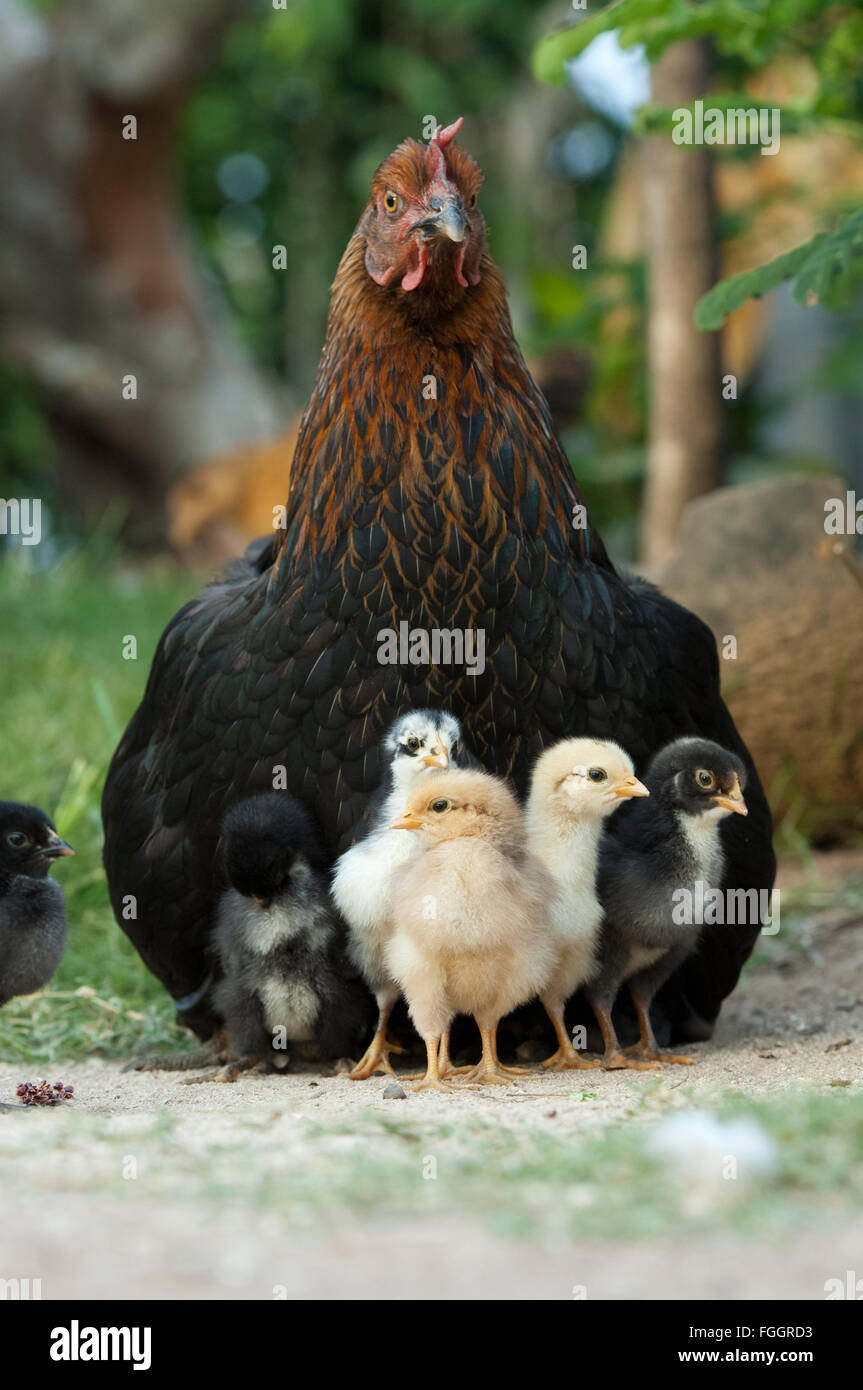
<point>422,228</point>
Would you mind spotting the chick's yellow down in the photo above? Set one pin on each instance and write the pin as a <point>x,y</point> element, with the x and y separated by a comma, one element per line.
<point>575,786</point>
<point>471,930</point>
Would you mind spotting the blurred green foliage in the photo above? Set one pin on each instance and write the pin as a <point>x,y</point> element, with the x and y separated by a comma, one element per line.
<point>828,269</point>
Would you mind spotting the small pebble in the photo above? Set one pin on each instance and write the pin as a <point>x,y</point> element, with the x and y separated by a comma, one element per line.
<point>394,1092</point>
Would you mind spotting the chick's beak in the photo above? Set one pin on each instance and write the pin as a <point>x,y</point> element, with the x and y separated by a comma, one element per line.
<point>437,756</point>
<point>57,848</point>
<point>734,801</point>
<point>630,786</point>
<point>406,821</point>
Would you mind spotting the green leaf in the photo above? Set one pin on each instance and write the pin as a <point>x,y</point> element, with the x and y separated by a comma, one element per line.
<point>827,270</point>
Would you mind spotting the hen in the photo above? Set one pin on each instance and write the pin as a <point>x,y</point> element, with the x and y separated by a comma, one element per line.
<point>427,492</point>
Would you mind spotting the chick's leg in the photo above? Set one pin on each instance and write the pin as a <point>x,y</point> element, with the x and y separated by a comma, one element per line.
<point>445,1065</point>
<point>565,1058</point>
<point>614,1059</point>
<point>432,1079</point>
<point>489,1071</point>
<point>647,1047</point>
<point>377,1054</point>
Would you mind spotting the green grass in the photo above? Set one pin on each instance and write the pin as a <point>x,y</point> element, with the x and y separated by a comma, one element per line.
<point>67,694</point>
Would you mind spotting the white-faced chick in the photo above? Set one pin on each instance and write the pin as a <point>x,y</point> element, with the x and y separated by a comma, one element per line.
<point>471,914</point>
<point>575,786</point>
<point>415,744</point>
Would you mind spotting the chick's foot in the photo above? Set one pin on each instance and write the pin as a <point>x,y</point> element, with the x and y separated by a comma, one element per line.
<point>432,1080</point>
<point>567,1059</point>
<point>616,1061</point>
<point>650,1054</point>
<point>228,1074</point>
<point>376,1055</point>
<point>216,1051</point>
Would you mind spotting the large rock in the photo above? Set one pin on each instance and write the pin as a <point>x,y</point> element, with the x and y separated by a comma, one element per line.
<point>758,565</point>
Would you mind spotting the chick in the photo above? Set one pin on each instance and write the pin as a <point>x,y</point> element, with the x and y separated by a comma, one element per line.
<point>575,786</point>
<point>32,914</point>
<point>417,742</point>
<point>279,941</point>
<point>471,920</point>
<point>668,844</point>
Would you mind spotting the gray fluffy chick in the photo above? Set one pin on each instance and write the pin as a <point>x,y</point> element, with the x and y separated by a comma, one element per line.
<point>651,857</point>
<point>281,943</point>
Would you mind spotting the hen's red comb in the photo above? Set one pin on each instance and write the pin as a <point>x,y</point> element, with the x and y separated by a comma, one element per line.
<point>438,143</point>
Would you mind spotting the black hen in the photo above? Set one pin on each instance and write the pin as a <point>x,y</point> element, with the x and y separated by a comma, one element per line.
<point>427,488</point>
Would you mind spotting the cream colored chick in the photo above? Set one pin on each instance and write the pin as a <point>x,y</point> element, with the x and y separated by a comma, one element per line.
<point>574,787</point>
<point>471,931</point>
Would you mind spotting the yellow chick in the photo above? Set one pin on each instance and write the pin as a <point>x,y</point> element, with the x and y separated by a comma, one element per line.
<point>575,786</point>
<point>471,930</point>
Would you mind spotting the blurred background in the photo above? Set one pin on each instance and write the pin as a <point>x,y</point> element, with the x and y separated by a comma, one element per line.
<point>178,179</point>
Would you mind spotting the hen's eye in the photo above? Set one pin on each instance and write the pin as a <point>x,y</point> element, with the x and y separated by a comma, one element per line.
<point>472,201</point>
<point>412,744</point>
<point>704,778</point>
<point>391,201</point>
<point>440,806</point>
<point>17,839</point>
<point>596,774</point>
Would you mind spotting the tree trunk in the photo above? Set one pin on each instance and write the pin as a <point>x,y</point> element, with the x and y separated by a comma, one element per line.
<point>685,428</point>
<point>98,280</point>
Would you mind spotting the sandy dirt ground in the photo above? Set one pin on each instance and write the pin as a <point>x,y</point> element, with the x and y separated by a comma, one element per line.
<point>128,1192</point>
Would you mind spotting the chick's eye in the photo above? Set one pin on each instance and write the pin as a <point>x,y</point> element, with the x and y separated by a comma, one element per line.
<point>17,839</point>
<point>391,201</point>
<point>704,778</point>
<point>412,744</point>
<point>440,806</point>
<point>596,774</point>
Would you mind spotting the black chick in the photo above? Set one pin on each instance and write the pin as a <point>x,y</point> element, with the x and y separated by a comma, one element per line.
<point>32,914</point>
<point>280,941</point>
<point>666,847</point>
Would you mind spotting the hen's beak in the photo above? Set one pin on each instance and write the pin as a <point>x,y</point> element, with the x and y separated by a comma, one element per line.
<point>734,801</point>
<point>406,821</point>
<point>57,848</point>
<point>630,786</point>
<point>451,221</point>
<point>437,756</point>
<point>448,221</point>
